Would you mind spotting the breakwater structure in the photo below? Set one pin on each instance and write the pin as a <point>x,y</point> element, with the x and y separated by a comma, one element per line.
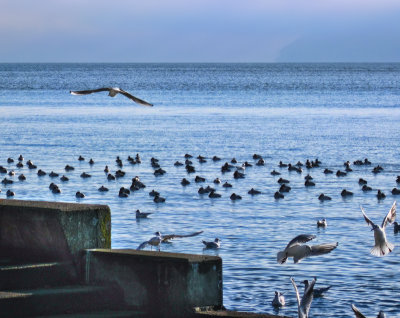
<point>56,261</point>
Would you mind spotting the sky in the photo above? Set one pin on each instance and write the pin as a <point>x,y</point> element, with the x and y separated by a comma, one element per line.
<point>200,31</point>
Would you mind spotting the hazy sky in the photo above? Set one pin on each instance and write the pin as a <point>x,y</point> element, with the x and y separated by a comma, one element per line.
<point>199,30</point>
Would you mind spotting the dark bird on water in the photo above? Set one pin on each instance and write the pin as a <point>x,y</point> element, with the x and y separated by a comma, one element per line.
<point>112,91</point>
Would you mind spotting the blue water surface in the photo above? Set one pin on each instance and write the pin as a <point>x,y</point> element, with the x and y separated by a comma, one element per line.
<point>284,112</point>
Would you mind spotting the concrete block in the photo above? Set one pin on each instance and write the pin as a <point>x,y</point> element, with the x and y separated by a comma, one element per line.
<point>158,282</point>
<point>52,231</point>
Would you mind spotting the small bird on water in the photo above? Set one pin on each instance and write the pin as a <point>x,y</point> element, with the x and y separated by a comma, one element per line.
<point>112,91</point>
<point>279,300</point>
<point>382,246</point>
<point>142,215</point>
<point>215,244</point>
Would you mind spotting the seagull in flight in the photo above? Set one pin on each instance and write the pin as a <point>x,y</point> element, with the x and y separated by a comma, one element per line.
<point>298,251</point>
<point>304,304</point>
<point>158,239</point>
<point>382,246</point>
<point>358,314</point>
<point>112,91</point>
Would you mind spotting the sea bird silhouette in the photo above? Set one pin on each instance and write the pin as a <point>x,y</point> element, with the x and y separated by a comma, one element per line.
<point>112,91</point>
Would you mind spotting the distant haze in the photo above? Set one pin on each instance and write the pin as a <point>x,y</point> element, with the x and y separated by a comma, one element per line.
<point>200,31</point>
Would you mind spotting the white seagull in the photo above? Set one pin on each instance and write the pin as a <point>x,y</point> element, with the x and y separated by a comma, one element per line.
<point>112,91</point>
<point>303,305</point>
<point>298,251</point>
<point>158,239</point>
<point>358,314</point>
<point>382,246</point>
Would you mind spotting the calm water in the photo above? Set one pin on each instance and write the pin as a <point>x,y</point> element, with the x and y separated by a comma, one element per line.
<point>288,112</point>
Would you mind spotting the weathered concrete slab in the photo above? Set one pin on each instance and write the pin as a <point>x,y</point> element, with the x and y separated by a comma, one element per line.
<point>66,299</point>
<point>158,282</point>
<point>52,231</point>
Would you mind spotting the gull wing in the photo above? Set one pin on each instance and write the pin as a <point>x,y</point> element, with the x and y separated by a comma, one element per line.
<point>307,298</point>
<point>322,249</point>
<point>90,91</point>
<point>135,99</point>
<point>297,292</point>
<point>166,238</point>
<point>369,222</point>
<point>357,312</point>
<point>323,289</point>
<point>390,217</point>
<point>302,238</point>
<point>142,246</point>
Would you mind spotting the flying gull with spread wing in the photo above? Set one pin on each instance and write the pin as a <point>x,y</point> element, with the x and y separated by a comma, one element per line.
<point>158,239</point>
<point>382,246</point>
<point>298,251</point>
<point>112,91</point>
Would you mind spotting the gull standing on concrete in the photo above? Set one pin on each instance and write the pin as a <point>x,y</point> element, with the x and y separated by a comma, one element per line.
<point>154,241</point>
<point>303,305</point>
<point>298,251</point>
<point>382,246</point>
<point>112,91</point>
<point>358,314</point>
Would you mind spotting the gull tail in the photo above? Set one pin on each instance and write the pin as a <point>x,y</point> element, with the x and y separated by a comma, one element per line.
<point>382,250</point>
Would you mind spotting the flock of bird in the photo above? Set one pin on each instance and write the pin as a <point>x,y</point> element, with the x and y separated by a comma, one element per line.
<point>299,251</point>
<point>296,248</point>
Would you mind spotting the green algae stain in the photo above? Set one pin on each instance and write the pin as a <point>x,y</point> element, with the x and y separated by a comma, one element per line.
<point>105,229</point>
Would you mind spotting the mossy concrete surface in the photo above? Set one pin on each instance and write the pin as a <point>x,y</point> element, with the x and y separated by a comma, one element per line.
<point>158,282</point>
<point>52,231</point>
